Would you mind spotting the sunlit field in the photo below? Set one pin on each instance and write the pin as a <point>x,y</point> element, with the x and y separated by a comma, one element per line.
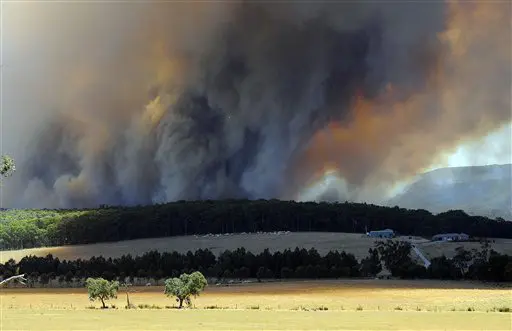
<point>326,305</point>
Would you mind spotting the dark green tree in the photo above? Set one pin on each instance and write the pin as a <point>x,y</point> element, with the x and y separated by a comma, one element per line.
<point>101,289</point>
<point>443,268</point>
<point>184,287</point>
<point>396,256</point>
<point>370,265</point>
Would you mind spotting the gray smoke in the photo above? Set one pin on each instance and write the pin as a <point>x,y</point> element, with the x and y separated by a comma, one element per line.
<point>223,110</point>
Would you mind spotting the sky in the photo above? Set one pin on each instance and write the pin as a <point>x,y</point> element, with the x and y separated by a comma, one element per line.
<point>128,103</point>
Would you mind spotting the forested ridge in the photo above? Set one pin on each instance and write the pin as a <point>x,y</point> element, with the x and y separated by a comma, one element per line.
<point>484,264</point>
<point>35,228</point>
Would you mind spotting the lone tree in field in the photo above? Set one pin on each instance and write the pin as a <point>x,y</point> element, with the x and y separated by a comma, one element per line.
<point>101,289</point>
<point>185,287</point>
<point>7,166</point>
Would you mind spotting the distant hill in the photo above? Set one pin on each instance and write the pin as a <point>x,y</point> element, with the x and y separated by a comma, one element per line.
<point>478,190</point>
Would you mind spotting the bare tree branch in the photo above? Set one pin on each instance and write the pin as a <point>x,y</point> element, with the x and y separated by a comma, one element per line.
<point>20,278</point>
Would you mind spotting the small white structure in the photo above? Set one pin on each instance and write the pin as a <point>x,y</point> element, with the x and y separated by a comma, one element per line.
<point>450,237</point>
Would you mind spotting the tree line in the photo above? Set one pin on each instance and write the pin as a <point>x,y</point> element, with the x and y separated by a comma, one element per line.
<point>484,264</point>
<point>68,227</point>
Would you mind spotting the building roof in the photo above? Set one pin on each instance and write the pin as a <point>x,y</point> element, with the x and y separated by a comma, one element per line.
<point>450,234</point>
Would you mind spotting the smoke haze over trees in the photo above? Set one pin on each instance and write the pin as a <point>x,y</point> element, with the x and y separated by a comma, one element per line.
<point>122,103</point>
<point>483,190</point>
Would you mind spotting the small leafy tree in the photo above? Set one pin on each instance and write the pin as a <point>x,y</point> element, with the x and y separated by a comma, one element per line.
<point>101,289</point>
<point>186,286</point>
<point>7,166</point>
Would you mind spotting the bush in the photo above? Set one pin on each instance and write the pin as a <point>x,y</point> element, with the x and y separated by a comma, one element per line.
<point>186,286</point>
<point>101,289</point>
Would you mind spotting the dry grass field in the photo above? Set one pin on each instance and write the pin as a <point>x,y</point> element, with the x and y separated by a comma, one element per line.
<point>308,305</point>
<point>357,244</point>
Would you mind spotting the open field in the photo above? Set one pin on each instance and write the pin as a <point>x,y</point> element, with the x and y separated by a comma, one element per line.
<point>351,305</point>
<point>252,320</point>
<point>323,242</point>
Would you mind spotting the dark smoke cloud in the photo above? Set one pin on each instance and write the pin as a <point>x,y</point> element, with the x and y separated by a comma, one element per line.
<point>203,101</point>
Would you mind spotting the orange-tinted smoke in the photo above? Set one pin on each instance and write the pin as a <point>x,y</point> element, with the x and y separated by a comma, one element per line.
<point>388,140</point>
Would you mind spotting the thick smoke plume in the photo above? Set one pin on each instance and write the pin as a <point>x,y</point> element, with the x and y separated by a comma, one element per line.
<point>130,103</point>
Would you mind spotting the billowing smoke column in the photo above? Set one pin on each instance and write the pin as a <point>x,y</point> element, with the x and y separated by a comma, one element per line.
<point>141,103</point>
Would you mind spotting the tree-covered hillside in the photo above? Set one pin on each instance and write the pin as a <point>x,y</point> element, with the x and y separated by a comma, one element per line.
<point>24,229</point>
<point>30,227</point>
<point>479,190</point>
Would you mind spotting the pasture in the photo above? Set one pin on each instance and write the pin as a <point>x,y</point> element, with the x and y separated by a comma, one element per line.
<point>323,242</point>
<point>307,305</point>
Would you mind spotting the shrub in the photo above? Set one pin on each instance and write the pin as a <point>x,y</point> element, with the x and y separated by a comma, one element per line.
<point>101,289</point>
<point>186,286</point>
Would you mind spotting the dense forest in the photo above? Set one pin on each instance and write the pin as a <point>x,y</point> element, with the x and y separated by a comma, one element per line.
<point>484,264</point>
<point>34,228</point>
